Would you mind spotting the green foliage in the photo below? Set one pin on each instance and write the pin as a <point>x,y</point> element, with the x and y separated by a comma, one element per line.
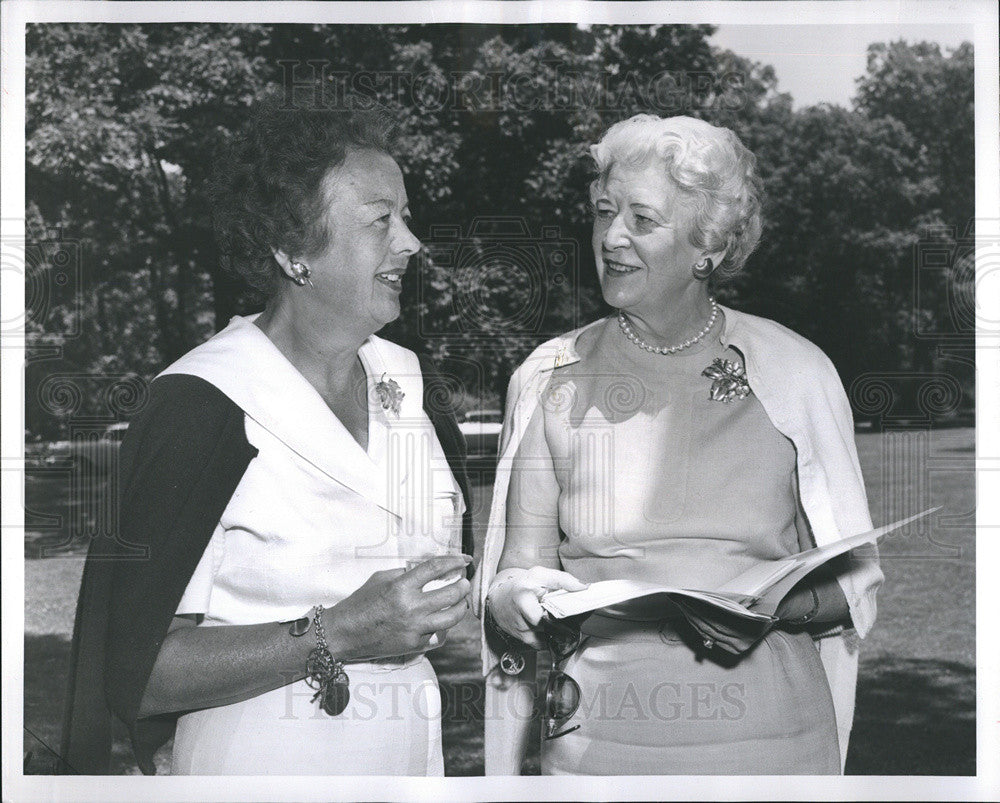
<point>932,96</point>
<point>123,121</point>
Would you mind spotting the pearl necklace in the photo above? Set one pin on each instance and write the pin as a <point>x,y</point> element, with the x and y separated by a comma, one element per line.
<point>626,326</point>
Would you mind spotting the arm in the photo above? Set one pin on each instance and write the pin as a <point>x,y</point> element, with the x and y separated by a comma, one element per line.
<point>532,539</point>
<point>203,667</point>
<point>529,564</point>
<point>829,605</point>
<point>532,503</point>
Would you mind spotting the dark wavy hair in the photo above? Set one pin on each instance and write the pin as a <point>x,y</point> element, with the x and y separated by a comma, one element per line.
<point>267,188</point>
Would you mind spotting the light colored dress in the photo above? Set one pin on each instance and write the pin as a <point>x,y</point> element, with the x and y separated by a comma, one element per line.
<point>313,517</point>
<point>803,396</point>
<point>658,482</point>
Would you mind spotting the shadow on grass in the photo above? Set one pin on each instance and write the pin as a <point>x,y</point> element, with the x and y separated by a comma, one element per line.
<point>914,717</point>
<point>46,661</point>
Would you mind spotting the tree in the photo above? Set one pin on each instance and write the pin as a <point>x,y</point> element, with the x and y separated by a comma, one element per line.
<point>121,124</point>
<point>842,195</point>
<point>495,120</point>
<point>932,95</point>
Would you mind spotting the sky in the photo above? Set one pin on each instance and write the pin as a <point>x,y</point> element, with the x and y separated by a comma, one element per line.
<point>820,63</point>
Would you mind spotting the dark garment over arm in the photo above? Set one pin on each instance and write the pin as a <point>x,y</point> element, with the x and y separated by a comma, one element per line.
<point>181,461</point>
<point>442,416</point>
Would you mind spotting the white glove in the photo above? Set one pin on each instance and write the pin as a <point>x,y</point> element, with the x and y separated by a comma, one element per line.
<point>514,596</point>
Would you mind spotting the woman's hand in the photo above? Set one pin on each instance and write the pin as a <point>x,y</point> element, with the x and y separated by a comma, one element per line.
<point>514,599</point>
<point>392,615</point>
<point>818,599</point>
<point>801,603</point>
<point>717,629</point>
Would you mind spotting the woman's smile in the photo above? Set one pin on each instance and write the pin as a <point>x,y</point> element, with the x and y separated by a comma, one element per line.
<point>641,239</point>
<point>615,268</point>
<point>393,279</point>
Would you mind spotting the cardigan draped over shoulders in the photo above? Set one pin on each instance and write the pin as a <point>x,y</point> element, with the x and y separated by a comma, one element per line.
<point>804,398</point>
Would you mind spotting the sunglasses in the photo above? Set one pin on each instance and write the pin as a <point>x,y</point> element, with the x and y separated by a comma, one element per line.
<point>562,693</point>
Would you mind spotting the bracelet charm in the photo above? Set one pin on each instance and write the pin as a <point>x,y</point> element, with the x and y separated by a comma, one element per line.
<point>512,663</point>
<point>326,674</point>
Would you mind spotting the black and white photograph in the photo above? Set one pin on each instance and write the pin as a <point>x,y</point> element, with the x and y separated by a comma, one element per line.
<point>418,400</point>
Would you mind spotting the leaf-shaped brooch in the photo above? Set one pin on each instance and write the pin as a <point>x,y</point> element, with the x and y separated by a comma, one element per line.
<point>729,381</point>
<point>389,394</point>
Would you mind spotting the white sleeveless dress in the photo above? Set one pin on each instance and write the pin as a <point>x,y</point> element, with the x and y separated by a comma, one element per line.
<point>313,517</point>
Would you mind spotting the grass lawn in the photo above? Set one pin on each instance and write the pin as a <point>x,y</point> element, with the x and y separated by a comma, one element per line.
<point>916,694</point>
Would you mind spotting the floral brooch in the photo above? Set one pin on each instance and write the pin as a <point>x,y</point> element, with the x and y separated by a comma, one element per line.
<point>389,394</point>
<point>729,381</point>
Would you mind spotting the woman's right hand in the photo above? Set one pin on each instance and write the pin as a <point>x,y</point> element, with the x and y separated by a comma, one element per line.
<point>514,596</point>
<point>391,614</point>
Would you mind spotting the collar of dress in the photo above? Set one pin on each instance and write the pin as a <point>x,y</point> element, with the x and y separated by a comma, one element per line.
<point>243,363</point>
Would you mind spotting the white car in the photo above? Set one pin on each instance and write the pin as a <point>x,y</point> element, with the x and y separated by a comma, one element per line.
<point>97,456</point>
<point>481,429</point>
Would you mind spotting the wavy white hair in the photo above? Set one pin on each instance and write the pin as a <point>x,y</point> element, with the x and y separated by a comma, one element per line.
<point>710,167</point>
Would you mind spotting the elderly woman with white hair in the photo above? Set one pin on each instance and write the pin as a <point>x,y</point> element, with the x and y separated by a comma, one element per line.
<point>682,442</point>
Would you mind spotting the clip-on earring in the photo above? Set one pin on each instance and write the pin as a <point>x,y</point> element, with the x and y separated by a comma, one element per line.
<point>302,274</point>
<point>702,270</point>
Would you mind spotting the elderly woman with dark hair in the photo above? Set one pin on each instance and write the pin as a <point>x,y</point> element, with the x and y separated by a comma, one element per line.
<point>292,517</point>
<point>682,442</point>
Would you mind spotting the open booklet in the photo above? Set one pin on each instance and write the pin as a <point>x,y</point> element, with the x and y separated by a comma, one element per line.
<point>753,595</point>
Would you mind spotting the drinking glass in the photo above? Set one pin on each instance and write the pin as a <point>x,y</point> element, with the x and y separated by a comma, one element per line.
<point>441,535</point>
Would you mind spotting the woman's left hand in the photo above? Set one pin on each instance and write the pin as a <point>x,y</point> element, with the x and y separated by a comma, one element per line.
<point>716,628</point>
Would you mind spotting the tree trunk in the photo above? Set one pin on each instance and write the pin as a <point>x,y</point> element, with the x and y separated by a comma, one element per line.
<point>164,326</point>
<point>225,291</point>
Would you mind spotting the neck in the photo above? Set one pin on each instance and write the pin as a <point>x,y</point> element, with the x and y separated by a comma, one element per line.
<point>674,320</point>
<point>324,353</point>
